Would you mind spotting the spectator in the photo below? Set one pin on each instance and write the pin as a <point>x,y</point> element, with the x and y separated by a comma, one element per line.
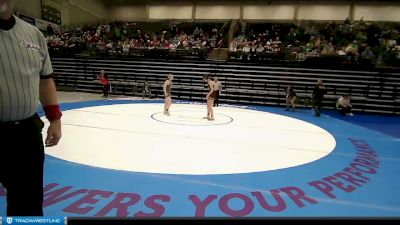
<point>318,96</point>
<point>290,97</point>
<point>344,106</point>
<point>196,32</point>
<point>367,54</point>
<point>105,82</point>
<point>50,30</point>
<point>146,89</point>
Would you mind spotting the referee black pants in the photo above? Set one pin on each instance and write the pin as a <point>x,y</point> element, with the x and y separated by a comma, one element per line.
<point>216,100</point>
<point>317,106</point>
<point>21,167</point>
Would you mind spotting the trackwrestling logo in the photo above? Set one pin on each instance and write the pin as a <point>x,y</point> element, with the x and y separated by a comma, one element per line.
<point>34,220</point>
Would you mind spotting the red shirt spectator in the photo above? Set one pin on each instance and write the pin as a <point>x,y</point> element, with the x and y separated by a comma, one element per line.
<point>103,79</point>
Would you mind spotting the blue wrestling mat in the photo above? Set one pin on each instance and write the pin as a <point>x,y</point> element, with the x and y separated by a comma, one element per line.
<point>358,177</point>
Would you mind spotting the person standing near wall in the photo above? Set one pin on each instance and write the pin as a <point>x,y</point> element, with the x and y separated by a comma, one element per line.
<point>290,97</point>
<point>167,93</point>
<point>146,89</point>
<point>26,81</point>
<point>218,88</point>
<point>105,82</point>
<point>318,96</point>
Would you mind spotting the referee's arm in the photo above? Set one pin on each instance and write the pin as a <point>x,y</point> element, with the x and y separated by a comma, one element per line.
<point>48,96</point>
<point>47,91</point>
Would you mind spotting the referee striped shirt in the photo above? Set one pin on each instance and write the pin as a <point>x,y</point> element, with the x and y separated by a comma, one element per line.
<point>24,60</point>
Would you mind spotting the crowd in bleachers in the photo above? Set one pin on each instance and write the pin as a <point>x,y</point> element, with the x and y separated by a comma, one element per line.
<point>135,39</point>
<point>356,42</point>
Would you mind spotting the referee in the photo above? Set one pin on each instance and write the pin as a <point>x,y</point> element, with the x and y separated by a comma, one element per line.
<point>25,79</point>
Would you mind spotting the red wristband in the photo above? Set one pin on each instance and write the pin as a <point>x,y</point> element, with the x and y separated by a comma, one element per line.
<point>52,112</point>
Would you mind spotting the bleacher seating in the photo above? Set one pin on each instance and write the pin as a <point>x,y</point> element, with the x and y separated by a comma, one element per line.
<point>242,83</point>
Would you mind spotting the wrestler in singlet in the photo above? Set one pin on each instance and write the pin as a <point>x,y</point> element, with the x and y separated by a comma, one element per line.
<point>167,92</point>
<point>168,88</point>
<point>213,95</point>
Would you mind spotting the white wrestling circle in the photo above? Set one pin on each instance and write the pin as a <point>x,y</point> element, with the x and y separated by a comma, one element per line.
<point>140,138</point>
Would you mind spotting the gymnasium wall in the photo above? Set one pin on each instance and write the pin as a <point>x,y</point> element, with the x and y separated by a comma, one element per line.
<point>88,11</point>
<point>273,10</point>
